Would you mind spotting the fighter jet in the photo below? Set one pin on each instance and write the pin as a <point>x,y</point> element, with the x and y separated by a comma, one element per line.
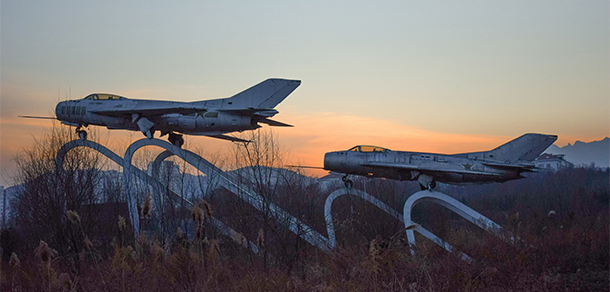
<point>213,118</point>
<point>504,163</point>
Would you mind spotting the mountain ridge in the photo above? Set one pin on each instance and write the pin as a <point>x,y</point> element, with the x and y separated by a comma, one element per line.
<point>580,153</point>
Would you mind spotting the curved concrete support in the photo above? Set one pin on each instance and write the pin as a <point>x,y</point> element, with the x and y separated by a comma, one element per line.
<point>239,189</point>
<point>332,242</point>
<point>258,202</point>
<point>134,216</point>
<point>156,165</point>
<point>224,229</point>
<point>61,154</point>
<point>453,205</point>
<point>133,210</point>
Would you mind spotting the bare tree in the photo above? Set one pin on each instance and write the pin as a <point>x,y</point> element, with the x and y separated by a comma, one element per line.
<point>50,190</point>
<point>259,168</point>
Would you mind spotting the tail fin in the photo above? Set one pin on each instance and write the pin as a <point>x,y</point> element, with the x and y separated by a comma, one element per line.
<point>266,94</point>
<point>524,148</point>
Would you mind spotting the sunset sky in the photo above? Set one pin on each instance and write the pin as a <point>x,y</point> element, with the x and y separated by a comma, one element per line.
<point>437,76</point>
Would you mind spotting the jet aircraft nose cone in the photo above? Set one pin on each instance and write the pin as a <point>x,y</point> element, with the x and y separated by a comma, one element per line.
<point>331,161</point>
<point>327,160</point>
<point>58,113</point>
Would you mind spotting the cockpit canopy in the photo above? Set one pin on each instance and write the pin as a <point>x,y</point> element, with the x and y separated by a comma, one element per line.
<point>103,96</point>
<point>368,148</point>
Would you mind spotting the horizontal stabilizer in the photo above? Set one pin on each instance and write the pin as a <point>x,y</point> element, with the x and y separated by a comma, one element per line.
<point>230,138</point>
<point>271,122</point>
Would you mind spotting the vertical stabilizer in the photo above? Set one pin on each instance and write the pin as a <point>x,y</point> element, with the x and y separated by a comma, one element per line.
<point>524,148</point>
<point>266,94</point>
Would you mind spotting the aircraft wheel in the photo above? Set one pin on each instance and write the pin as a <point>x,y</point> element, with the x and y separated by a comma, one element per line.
<point>179,142</point>
<point>172,138</point>
<point>430,186</point>
<point>349,183</point>
<point>82,134</point>
<point>176,140</point>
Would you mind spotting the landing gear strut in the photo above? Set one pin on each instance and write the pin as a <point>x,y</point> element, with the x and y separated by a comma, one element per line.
<point>347,182</point>
<point>426,182</point>
<point>430,186</point>
<point>176,139</point>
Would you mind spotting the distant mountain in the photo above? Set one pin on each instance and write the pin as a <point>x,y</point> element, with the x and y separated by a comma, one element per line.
<point>583,154</point>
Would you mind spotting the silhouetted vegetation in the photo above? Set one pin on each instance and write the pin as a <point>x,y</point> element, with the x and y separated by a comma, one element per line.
<point>559,219</point>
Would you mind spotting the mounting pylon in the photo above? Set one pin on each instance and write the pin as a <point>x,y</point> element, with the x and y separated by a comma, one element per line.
<point>143,176</point>
<point>240,190</point>
<point>248,195</point>
<point>453,205</point>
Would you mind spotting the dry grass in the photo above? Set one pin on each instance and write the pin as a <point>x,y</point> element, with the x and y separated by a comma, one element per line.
<point>568,258</point>
<point>563,250</point>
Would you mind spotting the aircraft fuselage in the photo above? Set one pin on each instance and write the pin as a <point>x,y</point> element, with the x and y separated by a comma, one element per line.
<point>506,162</point>
<point>359,163</point>
<point>203,119</point>
<point>215,117</point>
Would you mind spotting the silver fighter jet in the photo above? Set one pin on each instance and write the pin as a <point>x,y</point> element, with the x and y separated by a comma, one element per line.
<point>213,118</point>
<point>501,164</point>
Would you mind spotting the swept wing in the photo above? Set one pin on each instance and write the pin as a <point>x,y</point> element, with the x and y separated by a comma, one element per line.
<point>518,167</point>
<point>149,110</point>
<point>426,169</point>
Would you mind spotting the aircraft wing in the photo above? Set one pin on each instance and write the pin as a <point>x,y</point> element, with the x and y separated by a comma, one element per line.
<point>426,169</point>
<point>149,111</point>
<point>521,167</point>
